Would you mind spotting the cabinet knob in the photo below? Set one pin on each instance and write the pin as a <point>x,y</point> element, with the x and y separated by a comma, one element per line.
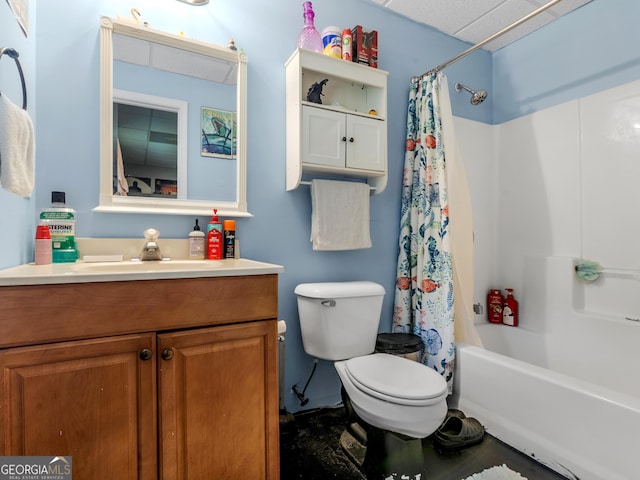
<point>146,354</point>
<point>351,139</point>
<point>344,139</point>
<point>167,354</point>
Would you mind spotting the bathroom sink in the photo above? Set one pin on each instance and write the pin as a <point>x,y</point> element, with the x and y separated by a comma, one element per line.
<point>110,271</point>
<point>150,266</point>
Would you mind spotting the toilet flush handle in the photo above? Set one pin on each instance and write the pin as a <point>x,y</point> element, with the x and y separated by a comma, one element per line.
<point>329,303</point>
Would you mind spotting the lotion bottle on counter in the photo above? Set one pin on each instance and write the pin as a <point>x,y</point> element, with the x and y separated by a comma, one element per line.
<point>197,243</point>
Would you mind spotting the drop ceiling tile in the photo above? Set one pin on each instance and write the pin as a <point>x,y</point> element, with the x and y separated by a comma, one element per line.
<point>561,8</point>
<point>447,16</point>
<point>502,17</point>
<point>475,20</point>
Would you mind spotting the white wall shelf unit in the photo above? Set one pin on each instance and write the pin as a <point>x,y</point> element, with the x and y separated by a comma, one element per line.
<point>346,135</point>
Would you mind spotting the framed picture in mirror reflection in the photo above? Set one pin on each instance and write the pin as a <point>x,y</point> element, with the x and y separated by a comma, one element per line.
<point>218,138</point>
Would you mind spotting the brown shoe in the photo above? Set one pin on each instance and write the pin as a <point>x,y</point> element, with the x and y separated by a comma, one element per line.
<point>457,433</point>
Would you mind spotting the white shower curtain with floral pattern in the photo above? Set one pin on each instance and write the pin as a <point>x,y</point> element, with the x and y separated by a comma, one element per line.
<point>424,294</point>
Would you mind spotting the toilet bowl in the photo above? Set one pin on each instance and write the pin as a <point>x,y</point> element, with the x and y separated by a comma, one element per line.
<point>394,393</point>
<point>339,322</point>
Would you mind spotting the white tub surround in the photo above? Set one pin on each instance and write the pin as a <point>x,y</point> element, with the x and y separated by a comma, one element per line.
<point>578,429</point>
<point>557,331</point>
<point>562,386</point>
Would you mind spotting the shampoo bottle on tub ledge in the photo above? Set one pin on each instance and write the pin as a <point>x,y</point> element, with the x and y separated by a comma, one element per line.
<point>510,309</point>
<point>495,300</point>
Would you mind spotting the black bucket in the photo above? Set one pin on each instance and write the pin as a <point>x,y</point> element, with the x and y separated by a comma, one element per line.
<point>405,344</point>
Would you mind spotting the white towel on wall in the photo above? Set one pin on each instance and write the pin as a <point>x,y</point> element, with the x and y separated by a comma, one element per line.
<point>17,149</point>
<point>339,215</point>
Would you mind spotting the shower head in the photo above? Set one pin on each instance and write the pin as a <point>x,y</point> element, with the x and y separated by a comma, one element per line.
<point>476,97</point>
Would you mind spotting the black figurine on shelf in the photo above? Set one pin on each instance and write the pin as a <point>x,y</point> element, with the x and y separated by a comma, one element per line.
<point>315,91</point>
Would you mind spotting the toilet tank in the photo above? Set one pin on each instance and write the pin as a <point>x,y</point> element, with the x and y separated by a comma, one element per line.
<point>339,320</point>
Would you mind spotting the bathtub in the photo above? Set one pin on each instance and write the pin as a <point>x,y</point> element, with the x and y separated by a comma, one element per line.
<point>576,427</point>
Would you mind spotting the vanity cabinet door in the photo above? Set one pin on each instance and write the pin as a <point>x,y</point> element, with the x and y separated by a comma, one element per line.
<point>92,400</point>
<point>218,402</point>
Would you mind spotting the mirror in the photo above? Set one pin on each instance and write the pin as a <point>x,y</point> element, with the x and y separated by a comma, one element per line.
<point>173,124</point>
<point>149,161</point>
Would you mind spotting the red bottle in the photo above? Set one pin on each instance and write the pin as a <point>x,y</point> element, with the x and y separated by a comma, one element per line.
<point>510,309</point>
<point>214,238</point>
<point>494,305</point>
<point>346,44</point>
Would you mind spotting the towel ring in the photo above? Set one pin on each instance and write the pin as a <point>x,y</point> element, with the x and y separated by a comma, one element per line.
<point>11,52</point>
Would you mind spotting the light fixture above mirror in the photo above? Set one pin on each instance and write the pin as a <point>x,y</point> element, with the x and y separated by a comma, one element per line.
<point>158,55</point>
<point>195,2</point>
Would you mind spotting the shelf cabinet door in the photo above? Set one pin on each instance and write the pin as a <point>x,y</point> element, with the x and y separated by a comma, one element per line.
<point>323,137</point>
<point>366,143</point>
<point>218,402</point>
<point>93,400</point>
<point>344,141</point>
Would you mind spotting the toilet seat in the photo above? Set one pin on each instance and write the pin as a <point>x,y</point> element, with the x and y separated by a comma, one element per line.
<point>396,379</point>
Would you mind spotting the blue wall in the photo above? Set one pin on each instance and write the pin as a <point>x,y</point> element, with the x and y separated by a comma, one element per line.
<point>68,128</point>
<point>63,78</point>
<point>590,50</point>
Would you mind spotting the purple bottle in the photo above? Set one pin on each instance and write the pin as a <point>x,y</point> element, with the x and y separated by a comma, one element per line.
<point>309,37</point>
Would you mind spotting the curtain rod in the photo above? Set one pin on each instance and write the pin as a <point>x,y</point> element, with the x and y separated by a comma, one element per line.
<point>487,40</point>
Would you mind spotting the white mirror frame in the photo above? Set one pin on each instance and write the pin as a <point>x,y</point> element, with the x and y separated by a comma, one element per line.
<point>110,203</point>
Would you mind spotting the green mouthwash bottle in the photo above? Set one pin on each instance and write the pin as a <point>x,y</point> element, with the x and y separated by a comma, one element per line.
<point>62,225</point>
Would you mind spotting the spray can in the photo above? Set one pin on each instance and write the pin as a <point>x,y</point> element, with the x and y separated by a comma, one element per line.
<point>214,237</point>
<point>510,309</point>
<point>61,221</point>
<point>229,238</point>
<point>346,44</point>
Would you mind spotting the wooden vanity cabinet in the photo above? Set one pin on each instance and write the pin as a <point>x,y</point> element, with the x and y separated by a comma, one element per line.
<point>93,400</point>
<point>191,394</point>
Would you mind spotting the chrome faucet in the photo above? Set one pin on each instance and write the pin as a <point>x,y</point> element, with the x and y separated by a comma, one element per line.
<point>151,249</point>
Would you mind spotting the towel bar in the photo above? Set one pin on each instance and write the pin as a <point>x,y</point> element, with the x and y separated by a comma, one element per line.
<point>11,52</point>
<point>303,182</point>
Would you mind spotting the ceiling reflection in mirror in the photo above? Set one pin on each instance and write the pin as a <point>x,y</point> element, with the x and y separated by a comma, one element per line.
<point>147,150</point>
<point>148,159</point>
<point>150,73</point>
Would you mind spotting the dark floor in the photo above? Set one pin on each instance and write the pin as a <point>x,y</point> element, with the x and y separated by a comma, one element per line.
<point>310,450</point>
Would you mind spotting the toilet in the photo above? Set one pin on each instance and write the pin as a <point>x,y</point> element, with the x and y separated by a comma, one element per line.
<point>402,401</point>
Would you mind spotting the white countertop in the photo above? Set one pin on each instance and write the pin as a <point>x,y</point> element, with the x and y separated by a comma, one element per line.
<point>81,272</point>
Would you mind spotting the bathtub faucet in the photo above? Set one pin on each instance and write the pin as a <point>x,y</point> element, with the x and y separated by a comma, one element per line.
<point>151,249</point>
